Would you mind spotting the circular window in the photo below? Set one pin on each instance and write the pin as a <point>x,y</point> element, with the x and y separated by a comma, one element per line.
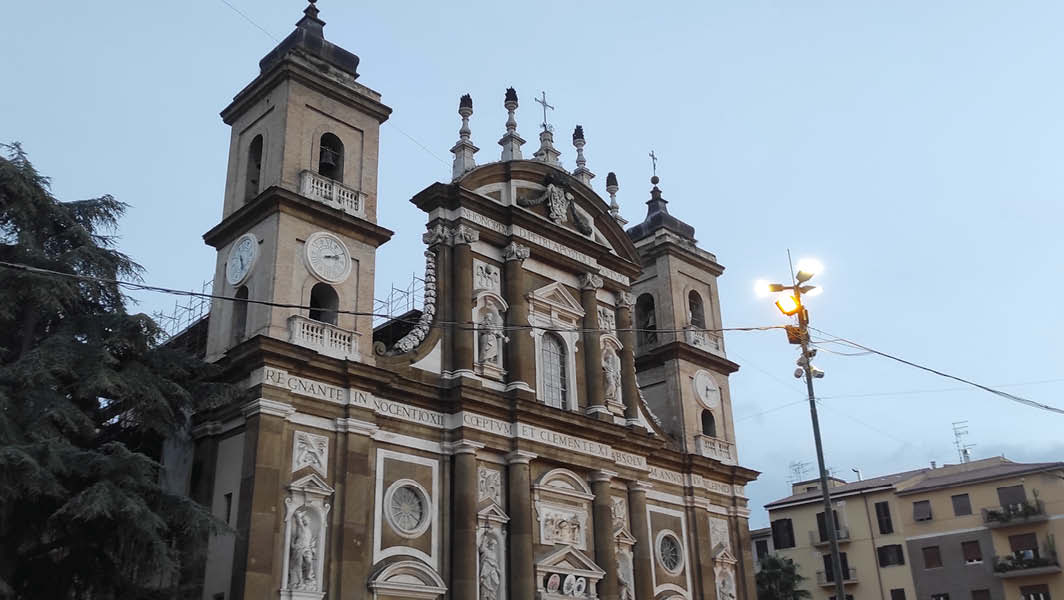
<point>670,552</point>
<point>407,508</point>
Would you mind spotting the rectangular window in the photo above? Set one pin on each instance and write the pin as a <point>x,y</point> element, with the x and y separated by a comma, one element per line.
<point>890,555</point>
<point>962,505</point>
<point>1011,495</point>
<point>883,516</point>
<point>1024,545</point>
<point>922,510</point>
<point>829,570</point>
<point>782,534</point>
<point>897,594</point>
<point>848,597</point>
<point>972,553</point>
<point>1034,592</point>
<point>932,557</point>
<point>822,526</point>
<point>761,547</point>
<point>980,594</point>
<point>228,507</point>
<point>939,596</point>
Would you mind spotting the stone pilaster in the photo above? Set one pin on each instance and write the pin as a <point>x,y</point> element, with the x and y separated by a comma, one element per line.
<point>464,518</point>
<point>605,547</point>
<point>703,570</point>
<point>596,401</point>
<point>520,351</point>
<point>461,299</point>
<point>522,558</point>
<point>643,552</point>
<point>354,450</point>
<point>629,384</point>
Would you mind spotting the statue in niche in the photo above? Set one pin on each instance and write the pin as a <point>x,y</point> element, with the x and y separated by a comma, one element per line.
<point>725,584</point>
<point>490,573</point>
<point>611,365</point>
<point>625,577</point>
<point>491,337</point>
<point>303,554</point>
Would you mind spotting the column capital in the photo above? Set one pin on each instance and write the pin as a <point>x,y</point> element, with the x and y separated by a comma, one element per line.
<point>639,486</point>
<point>205,429</point>
<point>464,447</point>
<point>463,234</point>
<point>520,456</point>
<point>515,251</point>
<point>590,281</point>
<point>602,475</point>
<point>435,235</point>
<point>625,299</point>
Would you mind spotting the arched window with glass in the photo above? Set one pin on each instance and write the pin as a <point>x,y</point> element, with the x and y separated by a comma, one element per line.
<point>555,381</point>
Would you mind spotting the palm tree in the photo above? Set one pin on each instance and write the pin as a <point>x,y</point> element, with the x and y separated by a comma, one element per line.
<point>779,579</point>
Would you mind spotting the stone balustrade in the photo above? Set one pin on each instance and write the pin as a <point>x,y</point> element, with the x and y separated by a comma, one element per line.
<point>332,193</point>
<point>323,338</point>
<point>716,448</point>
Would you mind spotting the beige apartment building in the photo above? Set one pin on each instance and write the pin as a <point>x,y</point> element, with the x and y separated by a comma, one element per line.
<point>979,530</point>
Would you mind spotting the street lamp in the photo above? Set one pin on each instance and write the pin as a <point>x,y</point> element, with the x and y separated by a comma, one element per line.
<point>790,304</point>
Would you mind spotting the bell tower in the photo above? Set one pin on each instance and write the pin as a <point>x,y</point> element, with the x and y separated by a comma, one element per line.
<point>300,208</point>
<point>681,364</point>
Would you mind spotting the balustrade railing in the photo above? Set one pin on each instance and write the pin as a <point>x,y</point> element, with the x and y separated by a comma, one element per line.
<point>333,193</point>
<point>323,338</point>
<point>716,448</point>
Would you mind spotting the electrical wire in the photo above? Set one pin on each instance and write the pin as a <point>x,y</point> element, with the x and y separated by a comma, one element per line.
<point>249,20</point>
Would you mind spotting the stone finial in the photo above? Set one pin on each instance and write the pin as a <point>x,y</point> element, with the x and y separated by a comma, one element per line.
<point>581,173</point>
<point>310,20</point>
<point>515,251</point>
<point>464,149</point>
<point>611,189</point>
<point>511,142</point>
<point>547,152</point>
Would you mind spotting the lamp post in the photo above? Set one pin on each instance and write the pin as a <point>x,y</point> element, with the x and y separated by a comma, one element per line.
<point>790,304</point>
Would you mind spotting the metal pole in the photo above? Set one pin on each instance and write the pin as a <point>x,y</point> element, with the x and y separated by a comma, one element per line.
<point>829,518</point>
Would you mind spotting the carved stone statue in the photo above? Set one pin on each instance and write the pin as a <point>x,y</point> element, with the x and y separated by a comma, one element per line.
<point>625,577</point>
<point>490,337</point>
<point>726,586</point>
<point>303,555</point>
<point>611,365</point>
<point>490,573</point>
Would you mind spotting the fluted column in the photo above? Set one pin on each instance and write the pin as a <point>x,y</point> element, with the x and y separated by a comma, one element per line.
<point>629,383</point>
<point>461,299</point>
<point>605,547</point>
<point>520,350</point>
<point>522,570</point>
<point>464,558</point>
<point>596,401</point>
<point>642,553</point>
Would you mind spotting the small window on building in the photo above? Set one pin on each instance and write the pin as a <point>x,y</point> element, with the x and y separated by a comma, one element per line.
<point>972,553</point>
<point>897,594</point>
<point>883,517</point>
<point>240,315</point>
<point>829,569</point>
<point>554,376</point>
<point>980,594</point>
<point>1024,545</point>
<point>932,557</point>
<point>709,424</point>
<point>1034,592</point>
<point>254,169</point>
<point>646,322</point>
<point>331,157</point>
<point>324,303</point>
<point>1012,496</point>
<point>822,526</point>
<point>761,548</point>
<point>890,555</point>
<point>782,534</point>
<point>962,505</point>
<point>939,596</point>
<point>697,310</point>
<point>922,510</point>
<point>228,497</point>
<point>219,596</point>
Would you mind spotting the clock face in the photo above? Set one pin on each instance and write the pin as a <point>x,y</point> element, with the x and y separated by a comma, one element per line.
<point>327,257</point>
<point>242,256</point>
<point>706,389</point>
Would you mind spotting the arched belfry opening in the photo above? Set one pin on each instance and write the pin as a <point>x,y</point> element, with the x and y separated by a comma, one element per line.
<point>709,423</point>
<point>696,309</point>
<point>331,157</point>
<point>240,315</point>
<point>254,169</point>
<point>645,322</point>
<point>324,302</point>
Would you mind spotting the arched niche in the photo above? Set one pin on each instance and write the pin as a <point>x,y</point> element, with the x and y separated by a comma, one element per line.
<point>407,579</point>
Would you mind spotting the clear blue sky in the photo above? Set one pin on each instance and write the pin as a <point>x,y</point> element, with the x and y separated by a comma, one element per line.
<point>913,147</point>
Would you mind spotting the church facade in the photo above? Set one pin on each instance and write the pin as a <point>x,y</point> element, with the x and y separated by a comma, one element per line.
<point>554,423</point>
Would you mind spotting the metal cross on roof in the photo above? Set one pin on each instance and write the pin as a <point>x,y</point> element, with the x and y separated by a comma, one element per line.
<point>654,161</point>
<point>546,127</point>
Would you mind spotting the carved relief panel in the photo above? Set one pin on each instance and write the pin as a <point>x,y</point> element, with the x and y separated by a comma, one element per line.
<point>310,450</point>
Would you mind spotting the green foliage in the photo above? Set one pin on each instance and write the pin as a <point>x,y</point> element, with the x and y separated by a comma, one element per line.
<point>779,579</point>
<point>87,394</point>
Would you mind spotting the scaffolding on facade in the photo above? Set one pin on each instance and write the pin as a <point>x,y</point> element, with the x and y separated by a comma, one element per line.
<point>399,301</point>
<point>188,310</point>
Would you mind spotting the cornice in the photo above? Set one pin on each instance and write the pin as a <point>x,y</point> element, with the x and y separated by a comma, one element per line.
<point>680,350</point>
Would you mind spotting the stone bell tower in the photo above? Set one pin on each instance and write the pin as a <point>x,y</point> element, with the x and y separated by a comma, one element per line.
<point>300,210</point>
<point>680,360</point>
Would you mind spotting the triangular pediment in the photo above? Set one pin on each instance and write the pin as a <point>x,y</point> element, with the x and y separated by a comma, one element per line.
<point>567,559</point>
<point>493,513</point>
<point>311,484</point>
<point>558,297</point>
<point>623,536</point>
<point>721,554</point>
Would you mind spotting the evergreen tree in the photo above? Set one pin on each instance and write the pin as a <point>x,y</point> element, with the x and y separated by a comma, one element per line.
<point>779,579</point>
<point>87,394</point>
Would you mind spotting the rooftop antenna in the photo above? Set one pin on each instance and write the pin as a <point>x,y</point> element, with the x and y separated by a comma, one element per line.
<point>798,470</point>
<point>960,431</point>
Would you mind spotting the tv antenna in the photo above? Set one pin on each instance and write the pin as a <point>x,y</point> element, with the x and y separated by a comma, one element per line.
<point>960,431</point>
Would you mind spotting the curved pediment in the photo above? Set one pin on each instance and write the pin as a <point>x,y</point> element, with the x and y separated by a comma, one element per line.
<point>555,196</point>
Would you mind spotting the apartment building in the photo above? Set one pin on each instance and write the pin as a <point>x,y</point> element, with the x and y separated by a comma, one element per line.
<point>979,530</point>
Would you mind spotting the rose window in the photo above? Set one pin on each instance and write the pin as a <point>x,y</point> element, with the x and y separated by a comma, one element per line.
<point>670,553</point>
<point>407,509</point>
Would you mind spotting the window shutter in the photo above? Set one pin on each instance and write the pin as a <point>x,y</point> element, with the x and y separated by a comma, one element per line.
<point>962,505</point>
<point>922,510</point>
<point>897,594</point>
<point>972,552</point>
<point>821,526</point>
<point>883,516</point>
<point>932,557</point>
<point>884,556</point>
<point>1012,494</point>
<point>1023,541</point>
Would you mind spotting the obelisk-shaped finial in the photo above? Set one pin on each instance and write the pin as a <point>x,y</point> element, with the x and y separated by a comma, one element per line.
<point>511,142</point>
<point>582,172</point>
<point>464,149</point>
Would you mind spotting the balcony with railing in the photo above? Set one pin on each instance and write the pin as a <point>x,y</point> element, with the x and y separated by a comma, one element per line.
<point>842,534</point>
<point>710,341</point>
<point>323,338</point>
<point>825,579</point>
<point>332,193</point>
<point>1021,513</point>
<point>716,448</point>
<point>1026,563</point>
